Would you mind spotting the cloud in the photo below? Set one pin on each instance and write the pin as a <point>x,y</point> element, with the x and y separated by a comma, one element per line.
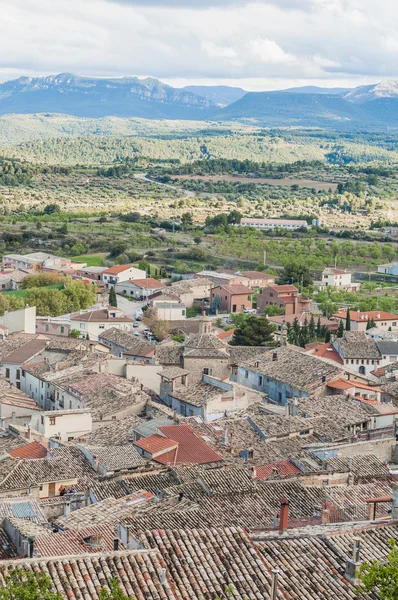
<point>254,40</point>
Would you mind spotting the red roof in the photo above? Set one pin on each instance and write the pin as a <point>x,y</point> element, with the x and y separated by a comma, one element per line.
<point>191,449</point>
<point>115,270</point>
<point>148,283</point>
<point>157,445</point>
<point>282,468</point>
<point>284,288</point>
<point>325,351</point>
<point>30,451</point>
<point>369,315</point>
<point>225,334</point>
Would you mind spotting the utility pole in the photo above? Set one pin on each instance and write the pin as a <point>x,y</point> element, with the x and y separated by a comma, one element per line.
<point>265,257</point>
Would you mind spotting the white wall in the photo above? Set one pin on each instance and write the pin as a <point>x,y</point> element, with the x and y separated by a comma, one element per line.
<point>146,374</point>
<point>129,273</point>
<point>95,329</point>
<point>23,320</point>
<point>67,426</point>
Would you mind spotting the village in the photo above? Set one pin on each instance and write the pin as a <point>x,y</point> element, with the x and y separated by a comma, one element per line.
<point>185,461</point>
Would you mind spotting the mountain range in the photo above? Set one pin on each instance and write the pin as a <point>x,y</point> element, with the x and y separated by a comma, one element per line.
<point>371,106</point>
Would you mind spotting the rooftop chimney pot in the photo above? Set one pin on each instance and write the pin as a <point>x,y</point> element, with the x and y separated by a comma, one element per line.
<point>284,515</point>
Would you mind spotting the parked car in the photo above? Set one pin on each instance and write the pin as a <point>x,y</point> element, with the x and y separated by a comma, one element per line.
<point>136,324</point>
<point>136,333</point>
<point>251,311</point>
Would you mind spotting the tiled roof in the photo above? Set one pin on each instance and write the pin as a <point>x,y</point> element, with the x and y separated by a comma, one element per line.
<point>257,275</point>
<point>116,458</point>
<point>282,289</point>
<point>226,334</point>
<point>325,351</point>
<point>108,488</point>
<point>66,543</point>
<point>100,316</point>
<point>293,367</point>
<point>157,445</point>
<point>370,315</point>
<point>25,352</point>
<point>112,433</point>
<point>355,344</point>
<point>153,481</point>
<point>282,468</point>
<point>191,449</point>
<point>127,341</point>
<point>30,451</point>
<point>116,269</point>
<point>221,482</point>
<point>365,468</point>
<point>148,284</point>
<point>234,288</point>
<point>21,508</point>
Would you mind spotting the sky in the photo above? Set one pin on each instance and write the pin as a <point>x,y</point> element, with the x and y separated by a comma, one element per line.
<point>257,45</point>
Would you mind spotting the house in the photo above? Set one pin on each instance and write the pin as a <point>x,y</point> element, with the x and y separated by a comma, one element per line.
<point>93,273</point>
<point>176,445</point>
<point>59,326</point>
<point>40,260</point>
<point>283,296</point>
<point>388,269</point>
<point>169,310</point>
<point>92,323</point>
<point>22,320</point>
<point>210,399</point>
<point>358,352</point>
<point>285,373</point>
<point>187,291</point>
<point>270,224</point>
<point>339,279</point>
<point>375,333</point>
<point>11,279</point>
<point>125,345</point>
<point>65,425</point>
<point>221,277</point>
<point>139,288</point>
<point>359,319</point>
<point>12,363</point>
<point>258,279</point>
<point>233,297</point>
<point>121,273</point>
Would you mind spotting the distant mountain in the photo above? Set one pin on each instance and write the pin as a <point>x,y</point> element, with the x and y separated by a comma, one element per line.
<point>313,89</point>
<point>367,93</point>
<point>275,109</point>
<point>223,95</point>
<point>96,97</point>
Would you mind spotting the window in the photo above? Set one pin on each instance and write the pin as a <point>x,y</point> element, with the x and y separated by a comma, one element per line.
<point>46,327</point>
<point>323,378</point>
<point>82,326</point>
<point>62,329</point>
<point>260,380</point>
<point>246,374</point>
<point>42,420</point>
<point>362,370</point>
<point>40,488</point>
<point>394,323</point>
<point>280,396</point>
<point>52,420</point>
<point>18,374</point>
<point>101,326</point>
<point>18,385</point>
<point>183,312</point>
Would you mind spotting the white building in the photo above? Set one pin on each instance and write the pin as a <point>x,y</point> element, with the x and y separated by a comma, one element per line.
<point>20,321</point>
<point>65,425</point>
<point>92,323</point>
<point>269,224</point>
<point>120,273</point>
<point>169,310</point>
<point>139,288</point>
<point>388,269</point>
<point>336,278</point>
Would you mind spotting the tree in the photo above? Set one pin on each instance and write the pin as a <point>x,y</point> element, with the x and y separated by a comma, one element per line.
<point>114,593</point>
<point>381,577</point>
<point>318,328</point>
<point>50,209</point>
<point>216,305</point>
<point>112,297</point>
<point>272,310</point>
<point>117,247</point>
<point>74,333</point>
<point>311,328</point>
<point>144,265</point>
<point>327,336</point>
<point>348,321</point>
<point>370,324</point>
<point>254,331</point>
<point>296,273</point>
<point>340,329</point>
<point>25,585</point>
<point>186,220</point>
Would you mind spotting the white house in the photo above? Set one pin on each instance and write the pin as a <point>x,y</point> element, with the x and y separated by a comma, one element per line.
<point>139,288</point>
<point>337,278</point>
<point>92,323</point>
<point>388,269</point>
<point>120,273</point>
<point>169,310</point>
<point>65,425</point>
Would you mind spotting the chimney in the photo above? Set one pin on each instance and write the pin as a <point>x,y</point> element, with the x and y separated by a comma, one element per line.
<point>66,509</point>
<point>253,472</point>
<point>95,463</point>
<point>274,356</point>
<point>351,570</point>
<point>31,546</point>
<point>29,432</point>
<point>274,587</point>
<point>163,577</point>
<point>115,544</point>
<point>284,515</point>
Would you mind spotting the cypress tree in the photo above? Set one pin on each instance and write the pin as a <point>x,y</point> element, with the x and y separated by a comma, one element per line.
<point>348,321</point>
<point>340,330</point>
<point>318,328</point>
<point>112,297</point>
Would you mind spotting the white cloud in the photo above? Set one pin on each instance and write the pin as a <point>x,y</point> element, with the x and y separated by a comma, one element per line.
<point>255,40</point>
<point>268,51</point>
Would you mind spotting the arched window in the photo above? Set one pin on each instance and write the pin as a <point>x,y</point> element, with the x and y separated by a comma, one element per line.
<point>362,370</point>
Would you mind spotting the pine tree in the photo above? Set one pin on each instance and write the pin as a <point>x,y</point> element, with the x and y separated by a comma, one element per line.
<point>327,337</point>
<point>311,328</point>
<point>340,329</point>
<point>318,328</point>
<point>112,297</point>
<point>370,324</point>
<point>348,321</point>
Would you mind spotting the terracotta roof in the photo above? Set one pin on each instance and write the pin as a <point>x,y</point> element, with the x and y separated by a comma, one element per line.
<point>284,288</point>
<point>257,275</point>
<point>30,451</point>
<point>324,351</point>
<point>99,316</point>
<point>371,315</point>
<point>282,468</point>
<point>156,445</point>
<point>148,283</point>
<point>191,449</point>
<point>116,269</point>
<point>233,288</point>
<point>225,334</point>
<point>25,352</point>
<point>89,540</point>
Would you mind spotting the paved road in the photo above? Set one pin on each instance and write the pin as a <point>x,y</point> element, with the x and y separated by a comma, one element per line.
<point>188,193</point>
